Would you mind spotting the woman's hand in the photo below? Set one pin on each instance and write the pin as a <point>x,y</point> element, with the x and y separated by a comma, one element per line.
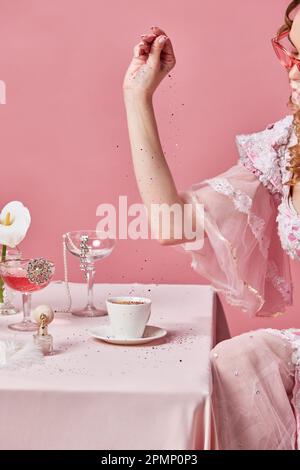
<point>151,62</point>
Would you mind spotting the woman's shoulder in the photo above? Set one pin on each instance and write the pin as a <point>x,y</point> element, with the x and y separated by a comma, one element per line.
<point>275,132</point>
<point>262,151</point>
<point>281,125</point>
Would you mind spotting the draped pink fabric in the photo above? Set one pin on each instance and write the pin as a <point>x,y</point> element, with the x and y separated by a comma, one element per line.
<point>256,391</point>
<point>242,255</point>
<point>251,231</point>
<point>249,235</point>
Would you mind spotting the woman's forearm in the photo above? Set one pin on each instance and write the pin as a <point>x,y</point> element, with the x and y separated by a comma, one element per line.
<point>154,179</point>
<point>152,173</point>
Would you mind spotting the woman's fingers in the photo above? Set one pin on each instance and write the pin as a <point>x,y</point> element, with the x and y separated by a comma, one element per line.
<point>140,49</point>
<point>153,32</point>
<point>149,38</point>
<point>168,48</point>
<point>158,31</point>
<point>144,46</point>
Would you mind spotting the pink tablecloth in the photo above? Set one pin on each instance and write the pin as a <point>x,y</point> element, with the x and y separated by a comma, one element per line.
<point>94,395</point>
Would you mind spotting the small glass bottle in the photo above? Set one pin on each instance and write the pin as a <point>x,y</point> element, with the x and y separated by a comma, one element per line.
<point>42,338</point>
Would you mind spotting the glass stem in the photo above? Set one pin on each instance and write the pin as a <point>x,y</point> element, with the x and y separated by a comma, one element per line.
<point>26,307</point>
<point>3,256</point>
<point>90,276</point>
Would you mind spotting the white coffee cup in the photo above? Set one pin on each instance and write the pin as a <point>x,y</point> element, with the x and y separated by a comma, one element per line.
<point>128,320</point>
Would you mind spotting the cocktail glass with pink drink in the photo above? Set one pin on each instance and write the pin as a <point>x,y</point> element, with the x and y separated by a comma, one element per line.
<point>26,276</point>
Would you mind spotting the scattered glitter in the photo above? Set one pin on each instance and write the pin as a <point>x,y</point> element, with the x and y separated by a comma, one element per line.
<point>216,355</point>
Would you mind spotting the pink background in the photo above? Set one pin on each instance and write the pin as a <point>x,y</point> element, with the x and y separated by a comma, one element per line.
<point>63,132</point>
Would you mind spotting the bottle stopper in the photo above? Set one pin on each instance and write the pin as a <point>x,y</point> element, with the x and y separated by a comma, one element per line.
<point>43,315</point>
<point>43,310</point>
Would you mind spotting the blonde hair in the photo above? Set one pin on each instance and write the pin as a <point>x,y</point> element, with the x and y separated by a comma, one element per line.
<point>294,165</point>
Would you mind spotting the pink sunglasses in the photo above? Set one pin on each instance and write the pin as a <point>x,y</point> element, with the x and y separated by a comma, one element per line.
<point>286,58</point>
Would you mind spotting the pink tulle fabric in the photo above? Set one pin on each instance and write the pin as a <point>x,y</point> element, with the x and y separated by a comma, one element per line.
<point>256,392</point>
<point>249,235</point>
<point>242,255</point>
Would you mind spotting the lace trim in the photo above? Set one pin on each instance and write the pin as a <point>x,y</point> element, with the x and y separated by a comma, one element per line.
<point>243,203</point>
<point>279,282</point>
<point>288,228</point>
<point>294,339</point>
<point>262,152</point>
<point>259,174</point>
<point>241,200</point>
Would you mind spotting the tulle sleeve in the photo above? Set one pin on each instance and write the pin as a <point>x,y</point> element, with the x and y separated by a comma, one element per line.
<point>241,255</point>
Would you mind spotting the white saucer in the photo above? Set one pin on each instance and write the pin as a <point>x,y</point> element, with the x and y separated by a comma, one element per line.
<point>150,334</point>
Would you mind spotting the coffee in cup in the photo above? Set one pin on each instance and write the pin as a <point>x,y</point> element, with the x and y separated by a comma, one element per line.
<point>128,315</point>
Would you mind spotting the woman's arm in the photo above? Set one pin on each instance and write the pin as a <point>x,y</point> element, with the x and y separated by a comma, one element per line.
<point>154,178</point>
<point>151,63</point>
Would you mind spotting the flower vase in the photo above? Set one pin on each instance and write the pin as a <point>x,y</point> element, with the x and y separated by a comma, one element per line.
<point>7,307</point>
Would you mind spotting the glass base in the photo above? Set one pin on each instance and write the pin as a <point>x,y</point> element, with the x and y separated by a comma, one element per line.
<point>8,309</point>
<point>24,326</point>
<point>89,312</point>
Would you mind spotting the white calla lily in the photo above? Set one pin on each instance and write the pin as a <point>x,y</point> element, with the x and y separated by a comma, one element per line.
<point>19,221</point>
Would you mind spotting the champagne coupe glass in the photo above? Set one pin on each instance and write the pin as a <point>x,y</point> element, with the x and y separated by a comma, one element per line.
<point>26,276</point>
<point>7,307</point>
<point>90,246</point>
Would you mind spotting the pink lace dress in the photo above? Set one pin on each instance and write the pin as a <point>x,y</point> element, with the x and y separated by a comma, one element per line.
<point>250,224</point>
<point>252,230</point>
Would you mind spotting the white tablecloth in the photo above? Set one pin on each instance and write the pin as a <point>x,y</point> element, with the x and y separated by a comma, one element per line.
<point>94,395</point>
